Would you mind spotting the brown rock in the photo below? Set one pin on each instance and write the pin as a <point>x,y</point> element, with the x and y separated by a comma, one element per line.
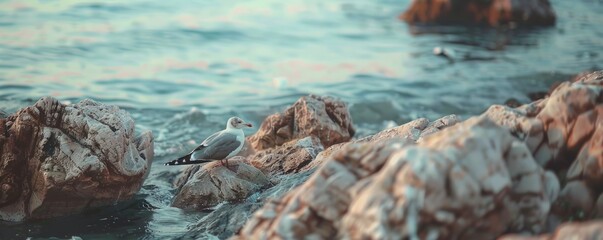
<point>489,12</point>
<point>411,131</point>
<point>323,117</point>
<point>469,181</point>
<point>57,160</point>
<point>202,186</point>
<point>564,132</point>
<point>289,158</point>
<point>562,127</point>
<point>311,210</point>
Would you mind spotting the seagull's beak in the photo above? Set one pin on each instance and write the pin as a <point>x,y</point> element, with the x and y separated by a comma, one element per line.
<point>248,125</point>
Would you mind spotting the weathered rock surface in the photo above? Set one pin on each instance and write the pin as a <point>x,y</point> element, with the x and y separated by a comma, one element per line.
<point>323,117</point>
<point>469,181</point>
<point>489,12</point>
<point>285,143</point>
<point>288,158</point>
<point>202,186</point>
<point>60,159</point>
<point>583,231</point>
<point>198,186</point>
<point>412,131</point>
<point>565,130</point>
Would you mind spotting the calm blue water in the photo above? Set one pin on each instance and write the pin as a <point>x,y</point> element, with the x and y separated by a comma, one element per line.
<point>182,67</point>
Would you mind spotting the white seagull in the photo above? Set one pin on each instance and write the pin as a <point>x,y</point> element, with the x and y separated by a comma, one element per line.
<point>219,146</point>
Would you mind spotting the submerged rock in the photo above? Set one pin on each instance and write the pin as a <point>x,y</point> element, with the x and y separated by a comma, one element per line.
<point>323,117</point>
<point>226,219</point>
<point>202,186</point>
<point>489,12</point>
<point>472,180</point>
<point>60,159</point>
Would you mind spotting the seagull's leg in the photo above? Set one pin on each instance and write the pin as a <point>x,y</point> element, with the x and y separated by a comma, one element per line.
<point>225,163</point>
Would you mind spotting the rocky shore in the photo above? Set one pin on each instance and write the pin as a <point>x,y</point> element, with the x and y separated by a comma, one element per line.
<point>510,173</point>
<point>530,172</point>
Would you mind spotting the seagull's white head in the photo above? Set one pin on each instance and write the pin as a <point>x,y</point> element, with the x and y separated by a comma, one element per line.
<point>237,123</point>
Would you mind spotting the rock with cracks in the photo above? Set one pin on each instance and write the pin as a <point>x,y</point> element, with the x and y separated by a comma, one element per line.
<point>60,159</point>
<point>412,131</point>
<point>469,181</point>
<point>564,132</point>
<point>323,117</point>
<point>203,186</point>
<point>288,158</point>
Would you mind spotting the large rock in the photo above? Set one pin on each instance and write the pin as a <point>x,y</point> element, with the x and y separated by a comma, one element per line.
<point>281,164</point>
<point>469,181</point>
<point>60,159</point>
<point>202,186</point>
<point>323,117</point>
<point>564,132</point>
<point>489,12</point>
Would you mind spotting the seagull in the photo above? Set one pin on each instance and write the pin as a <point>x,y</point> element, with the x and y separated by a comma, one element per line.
<point>219,146</point>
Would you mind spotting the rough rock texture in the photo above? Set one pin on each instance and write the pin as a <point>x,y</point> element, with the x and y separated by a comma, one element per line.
<point>583,231</point>
<point>565,131</point>
<point>309,210</point>
<point>289,158</point>
<point>323,117</point>
<point>57,159</point>
<point>490,12</point>
<point>412,131</point>
<point>202,186</point>
<point>469,181</point>
<point>285,143</point>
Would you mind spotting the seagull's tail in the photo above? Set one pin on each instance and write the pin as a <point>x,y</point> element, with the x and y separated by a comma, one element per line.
<point>185,160</point>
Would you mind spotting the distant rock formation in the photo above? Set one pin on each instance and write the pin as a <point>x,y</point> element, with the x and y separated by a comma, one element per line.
<point>488,12</point>
<point>60,159</point>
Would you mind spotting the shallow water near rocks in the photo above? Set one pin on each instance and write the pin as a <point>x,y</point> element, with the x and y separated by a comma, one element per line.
<point>181,68</point>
